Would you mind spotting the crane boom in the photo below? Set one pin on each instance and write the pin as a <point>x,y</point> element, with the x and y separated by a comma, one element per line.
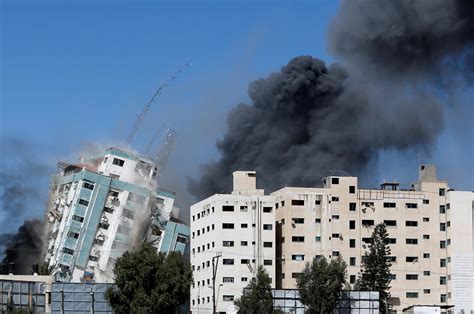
<point>158,92</point>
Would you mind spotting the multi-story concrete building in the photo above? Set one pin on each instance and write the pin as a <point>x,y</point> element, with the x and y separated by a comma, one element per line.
<point>430,228</point>
<point>99,208</point>
<point>234,233</point>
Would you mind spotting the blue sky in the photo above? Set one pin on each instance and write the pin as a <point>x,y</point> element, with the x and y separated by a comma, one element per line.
<point>77,72</point>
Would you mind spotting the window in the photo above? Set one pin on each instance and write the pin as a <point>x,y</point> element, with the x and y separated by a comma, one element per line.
<point>442,226</point>
<point>448,206</point>
<point>227,226</point>
<point>335,217</point>
<point>68,251</point>
<point>318,239</point>
<point>426,273</point>
<point>352,189</point>
<point>426,255</point>
<point>352,261</point>
<point>411,223</point>
<point>317,220</point>
<point>295,275</point>
<point>212,226</point>
<point>228,279</point>
<point>267,244</point>
<point>335,235</point>
<point>228,261</point>
<point>127,213</point>
<point>442,280</point>
<point>367,240</point>
<point>352,278</point>
<point>282,203</point>
<point>368,204</point>
<point>426,236</point>
<point>442,192</point>
<point>392,259</point>
<point>83,202</point>
<point>194,218</point>
<point>426,219</point>
<point>317,202</point>
<point>412,295</point>
<point>411,259</point>
<point>352,207</point>
<point>276,205</point>
<point>228,243</point>
<point>93,258</point>
<point>411,205</point>
<point>297,257</point>
<point>389,205</point>
<point>411,241</point>
<point>267,209</point>
<point>244,208</point>
<point>267,227</point>
<point>297,239</point>
<point>243,279</point>
<point>442,262</point>
<point>367,222</point>
<point>335,253</point>
<point>77,218</point>
<point>426,291</point>
<point>227,208</point>
<point>443,298</point>
<point>352,224</point>
<point>392,277</point>
<point>448,224</point>
<point>335,199</point>
<point>267,262</point>
<point>244,243</point>
<point>118,162</point>
<point>298,220</point>
<point>426,201</point>
<point>448,242</point>
<point>243,225</point>
<point>442,209</point>
<point>228,298</point>
<point>352,243</point>
<point>335,180</point>
<point>411,277</point>
<point>391,223</point>
<point>73,235</point>
<point>88,185</point>
<point>442,244</point>
<point>244,261</point>
<point>297,202</point>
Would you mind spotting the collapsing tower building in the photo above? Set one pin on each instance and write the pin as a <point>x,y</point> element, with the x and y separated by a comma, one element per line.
<point>104,206</point>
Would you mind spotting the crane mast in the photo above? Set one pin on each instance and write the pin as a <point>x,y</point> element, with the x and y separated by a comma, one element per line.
<point>145,110</point>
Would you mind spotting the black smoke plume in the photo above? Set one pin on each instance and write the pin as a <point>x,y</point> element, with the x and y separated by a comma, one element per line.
<point>24,248</point>
<point>309,118</point>
<point>23,188</point>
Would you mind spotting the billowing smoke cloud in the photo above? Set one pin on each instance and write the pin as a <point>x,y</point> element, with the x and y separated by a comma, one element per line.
<point>23,190</point>
<point>309,118</point>
<point>25,247</point>
<point>405,36</point>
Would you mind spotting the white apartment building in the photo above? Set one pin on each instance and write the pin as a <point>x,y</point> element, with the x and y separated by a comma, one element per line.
<point>430,228</point>
<point>234,232</point>
<point>101,207</point>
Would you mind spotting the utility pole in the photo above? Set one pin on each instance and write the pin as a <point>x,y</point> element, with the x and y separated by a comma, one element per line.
<point>215,263</point>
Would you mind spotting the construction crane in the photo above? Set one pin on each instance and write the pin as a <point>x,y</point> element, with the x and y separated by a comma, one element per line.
<point>165,150</point>
<point>158,92</point>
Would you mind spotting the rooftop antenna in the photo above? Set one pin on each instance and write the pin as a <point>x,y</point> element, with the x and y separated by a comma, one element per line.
<point>158,92</point>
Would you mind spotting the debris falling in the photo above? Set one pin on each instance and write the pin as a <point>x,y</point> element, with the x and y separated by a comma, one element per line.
<point>310,117</point>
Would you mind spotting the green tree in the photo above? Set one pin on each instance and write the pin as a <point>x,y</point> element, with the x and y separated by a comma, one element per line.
<point>375,270</point>
<point>257,297</point>
<point>321,283</point>
<point>147,282</point>
<point>44,268</point>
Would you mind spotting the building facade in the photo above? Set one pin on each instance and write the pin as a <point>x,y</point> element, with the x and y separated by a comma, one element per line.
<point>430,228</point>
<point>101,207</point>
<point>234,233</point>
